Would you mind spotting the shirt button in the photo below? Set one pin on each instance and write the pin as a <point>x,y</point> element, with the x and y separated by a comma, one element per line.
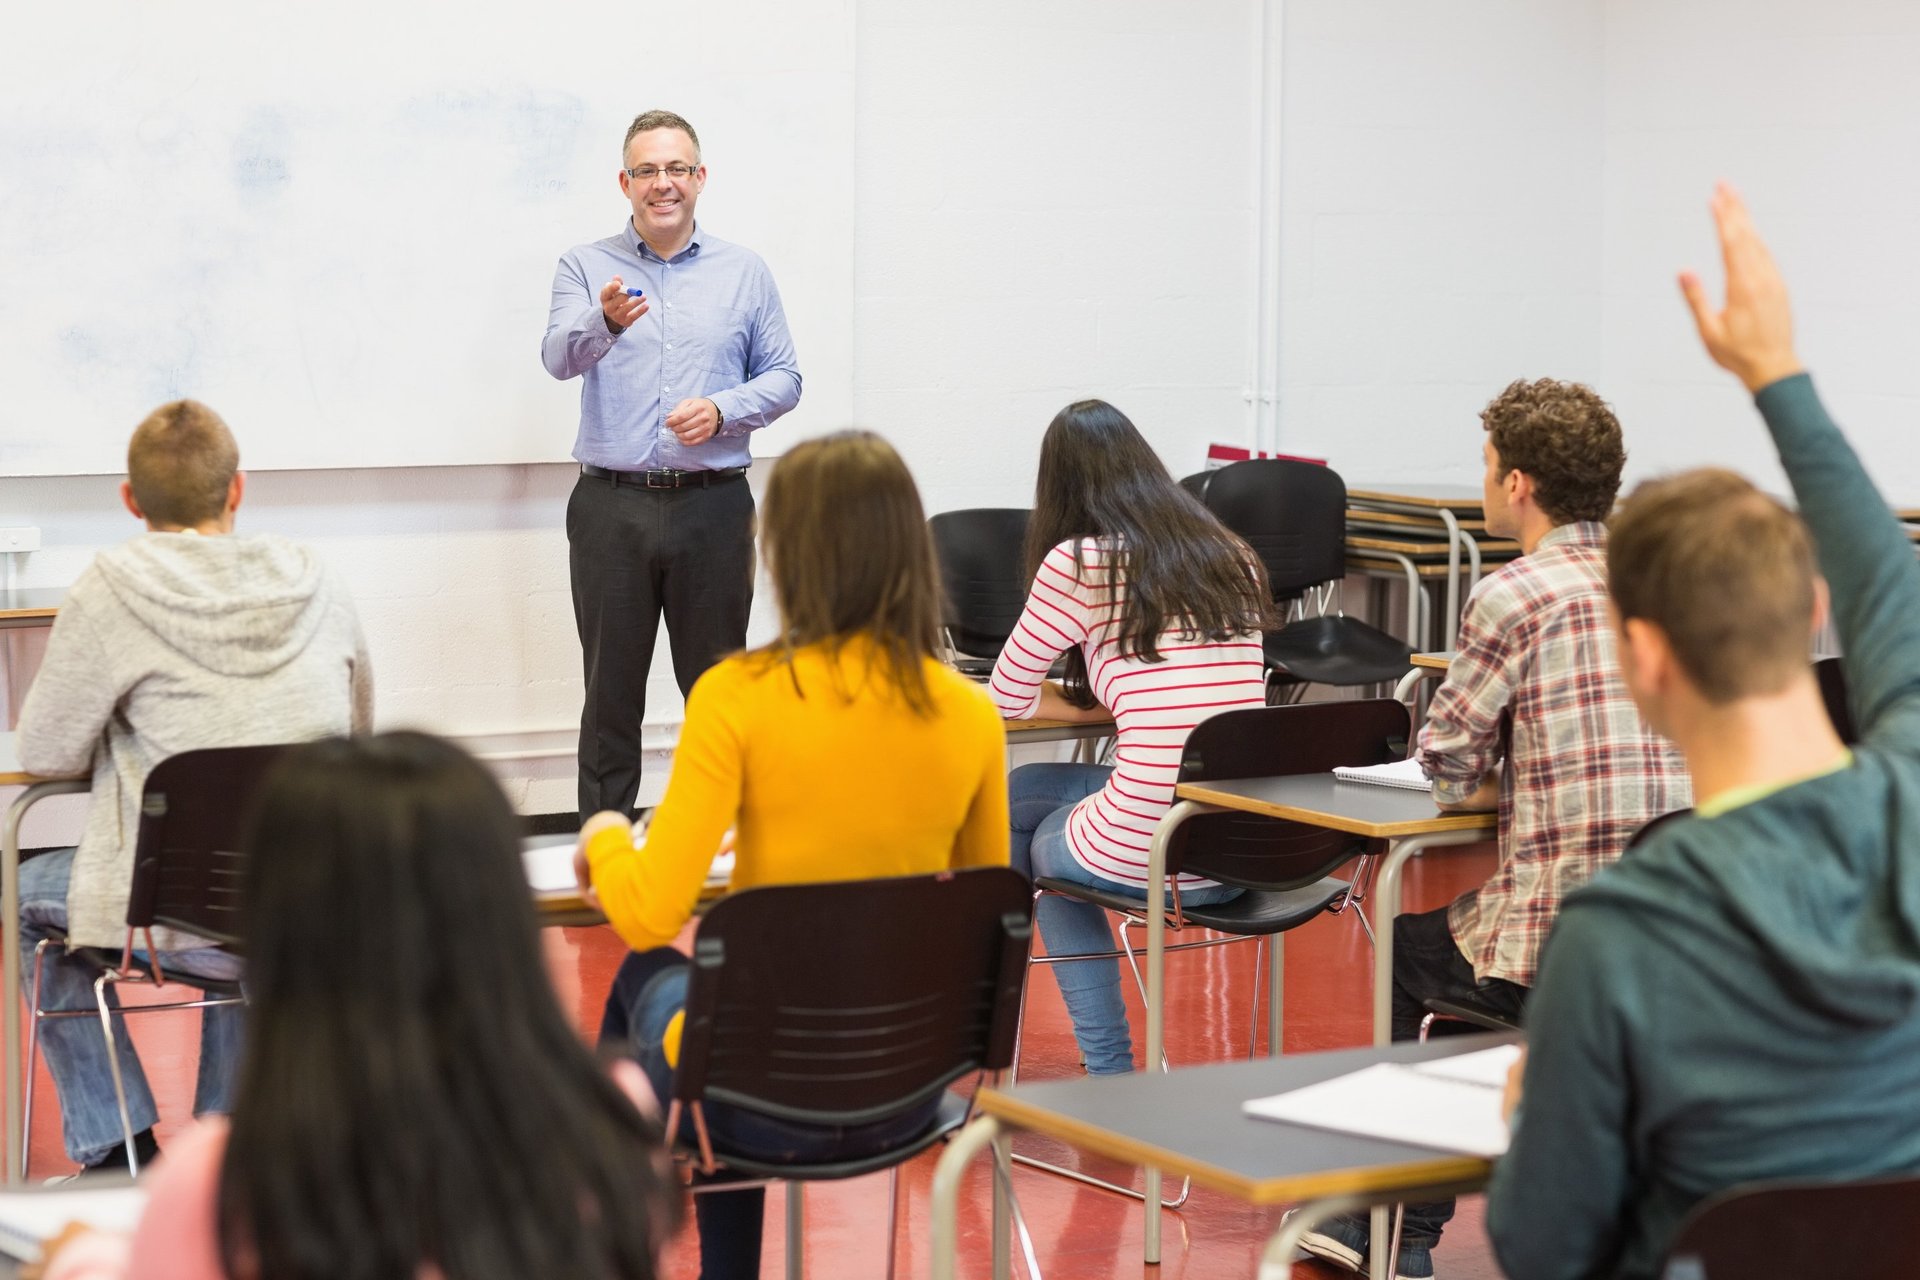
<point>669,346</point>
<point>669,306</point>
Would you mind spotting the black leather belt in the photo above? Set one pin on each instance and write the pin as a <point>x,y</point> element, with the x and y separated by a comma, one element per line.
<point>663,479</point>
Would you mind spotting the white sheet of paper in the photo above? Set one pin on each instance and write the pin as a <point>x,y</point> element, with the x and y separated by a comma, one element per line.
<point>1397,1103</point>
<point>1487,1067</point>
<point>29,1217</point>
<point>550,866</point>
<point>1401,773</point>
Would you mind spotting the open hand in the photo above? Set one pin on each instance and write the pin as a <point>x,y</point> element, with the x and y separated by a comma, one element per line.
<point>1752,336</point>
<point>621,311</point>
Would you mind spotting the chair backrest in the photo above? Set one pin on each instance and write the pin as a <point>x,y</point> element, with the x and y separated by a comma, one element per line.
<point>1786,1230</point>
<point>1263,742</point>
<point>1833,690</point>
<point>982,555</point>
<point>854,1001</point>
<point>1293,515</point>
<point>187,865</point>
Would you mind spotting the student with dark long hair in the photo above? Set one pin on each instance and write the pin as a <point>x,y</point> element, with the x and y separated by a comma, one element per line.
<point>412,1101</point>
<point>1157,608</point>
<point>842,750</point>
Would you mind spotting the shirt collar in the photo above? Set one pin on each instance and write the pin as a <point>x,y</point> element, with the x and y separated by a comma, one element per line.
<point>1587,533</point>
<point>640,247</point>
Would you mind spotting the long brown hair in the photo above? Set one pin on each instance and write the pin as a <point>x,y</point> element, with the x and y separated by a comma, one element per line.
<point>845,541</point>
<point>1179,566</point>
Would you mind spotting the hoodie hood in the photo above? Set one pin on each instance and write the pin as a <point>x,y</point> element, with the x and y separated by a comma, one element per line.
<point>1825,902</point>
<point>238,606</point>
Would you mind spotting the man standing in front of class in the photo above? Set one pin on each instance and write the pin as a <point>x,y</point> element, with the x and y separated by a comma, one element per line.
<point>682,349</point>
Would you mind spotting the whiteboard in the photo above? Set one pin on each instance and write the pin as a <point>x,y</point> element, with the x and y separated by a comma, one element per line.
<point>337,224</point>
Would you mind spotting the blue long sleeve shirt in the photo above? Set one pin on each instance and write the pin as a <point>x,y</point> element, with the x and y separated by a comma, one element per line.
<point>715,329</point>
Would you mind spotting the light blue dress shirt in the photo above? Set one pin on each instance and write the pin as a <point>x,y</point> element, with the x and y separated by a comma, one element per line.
<point>715,329</point>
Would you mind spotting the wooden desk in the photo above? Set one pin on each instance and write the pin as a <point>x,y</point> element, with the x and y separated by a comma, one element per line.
<point>1448,503</point>
<point>1022,733</point>
<point>1426,666</point>
<point>1407,820</point>
<point>1189,1123</point>
<point>1437,661</point>
<point>30,606</point>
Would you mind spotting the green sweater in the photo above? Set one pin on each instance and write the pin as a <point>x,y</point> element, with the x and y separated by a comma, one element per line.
<point>1739,998</point>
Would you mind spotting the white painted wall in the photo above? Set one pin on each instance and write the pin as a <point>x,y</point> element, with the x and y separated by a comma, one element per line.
<point>1813,111</point>
<point>1441,231</point>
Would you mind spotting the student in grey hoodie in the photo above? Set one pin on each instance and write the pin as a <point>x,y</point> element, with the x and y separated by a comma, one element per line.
<point>1739,997</point>
<point>187,636</point>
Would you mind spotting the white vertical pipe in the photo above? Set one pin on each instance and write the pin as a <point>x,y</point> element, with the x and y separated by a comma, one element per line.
<point>1272,25</point>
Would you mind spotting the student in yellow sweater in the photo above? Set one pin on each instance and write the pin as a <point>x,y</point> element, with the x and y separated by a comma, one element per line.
<point>842,750</point>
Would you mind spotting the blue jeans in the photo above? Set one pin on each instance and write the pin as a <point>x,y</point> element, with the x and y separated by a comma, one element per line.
<point>649,989</point>
<point>75,1048</point>
<point>1039,798</point>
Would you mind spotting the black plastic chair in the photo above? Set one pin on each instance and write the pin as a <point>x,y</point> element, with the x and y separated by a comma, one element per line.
<point>1294,516</point>
<point>187,874</point>
<point>851,1003</point>
<point>1285,867</point>
<point>1787,1230</point>
<point>1833,691</point>
<point>982,555</point>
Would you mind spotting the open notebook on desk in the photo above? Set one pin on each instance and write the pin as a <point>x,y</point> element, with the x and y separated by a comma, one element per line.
<point>30,1217</point>
<point>1449,1104</point>
<point>1401,773</point>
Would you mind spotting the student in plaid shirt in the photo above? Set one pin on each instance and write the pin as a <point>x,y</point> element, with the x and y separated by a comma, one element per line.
<point>1534,721</point>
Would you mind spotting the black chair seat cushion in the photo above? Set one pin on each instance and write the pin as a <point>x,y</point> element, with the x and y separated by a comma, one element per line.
<point>951,1115</point>
<point>1464,1009</point>
<point>1255,912</point>
<point>1337,651</point>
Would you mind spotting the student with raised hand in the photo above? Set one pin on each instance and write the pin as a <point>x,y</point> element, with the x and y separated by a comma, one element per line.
<point>1739,998</point>
<point>1158,610</point>
<point>842,750</point>
<point>412,1100</point>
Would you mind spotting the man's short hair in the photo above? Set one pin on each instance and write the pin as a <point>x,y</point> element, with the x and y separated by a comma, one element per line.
<point>647,121</point>
<point>180,464</point>
<point>1563,436</point>
<point>1726,571</point>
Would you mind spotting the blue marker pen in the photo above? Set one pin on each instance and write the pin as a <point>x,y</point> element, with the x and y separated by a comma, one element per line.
<point>636,293</point>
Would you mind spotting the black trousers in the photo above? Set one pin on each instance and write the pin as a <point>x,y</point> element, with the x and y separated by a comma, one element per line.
<point>638,555</point>
<point>1427,965</point>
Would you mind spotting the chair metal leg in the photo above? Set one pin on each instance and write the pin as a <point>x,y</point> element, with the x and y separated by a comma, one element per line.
<point>1003,1174</point>
<point>796,1230</point>
<point>33,1051</point>
<point>893,1217</point>
<point>113,1061</point>
<point>1253,1009</point>
<point>1276,991</point>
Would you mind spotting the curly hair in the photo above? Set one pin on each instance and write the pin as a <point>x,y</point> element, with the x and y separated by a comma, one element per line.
<point>1564,438</point>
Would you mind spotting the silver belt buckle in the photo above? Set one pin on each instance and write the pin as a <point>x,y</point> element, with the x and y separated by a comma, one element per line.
<point>667,480</point>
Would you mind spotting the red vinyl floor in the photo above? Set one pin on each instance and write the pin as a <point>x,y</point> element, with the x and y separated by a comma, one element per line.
<point>1080,1233</point>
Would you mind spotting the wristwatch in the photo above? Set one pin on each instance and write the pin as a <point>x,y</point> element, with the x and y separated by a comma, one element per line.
<point>718,413</point>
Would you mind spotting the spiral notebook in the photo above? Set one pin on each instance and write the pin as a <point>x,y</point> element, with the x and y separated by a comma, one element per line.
<point>1405,774</point>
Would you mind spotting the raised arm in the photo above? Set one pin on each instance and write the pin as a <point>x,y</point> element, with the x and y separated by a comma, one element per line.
<point>583,323</point>
<point>1865,556</point>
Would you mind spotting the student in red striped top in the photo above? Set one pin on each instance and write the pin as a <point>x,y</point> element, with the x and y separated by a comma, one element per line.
<point>1158,609</point>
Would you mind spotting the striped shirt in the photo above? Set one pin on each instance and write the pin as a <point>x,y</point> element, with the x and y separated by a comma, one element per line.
<point>1534,681</point>
<point>1155,705</point>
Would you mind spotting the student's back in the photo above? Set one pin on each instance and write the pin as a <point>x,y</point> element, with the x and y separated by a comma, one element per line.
<point>172,642</point>
<point>825,771</point>
<point>1738,998</point>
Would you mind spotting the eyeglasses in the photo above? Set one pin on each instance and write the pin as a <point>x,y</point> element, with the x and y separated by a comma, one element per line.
<point>648,172</point>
